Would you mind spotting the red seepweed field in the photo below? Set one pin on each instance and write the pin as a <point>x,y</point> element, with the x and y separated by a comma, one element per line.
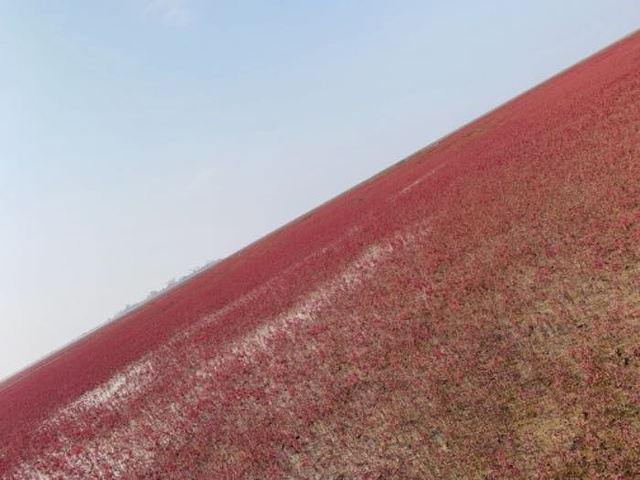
<point>471,312</point>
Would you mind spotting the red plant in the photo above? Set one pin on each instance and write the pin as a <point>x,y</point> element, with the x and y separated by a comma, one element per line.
<point>473,311</point>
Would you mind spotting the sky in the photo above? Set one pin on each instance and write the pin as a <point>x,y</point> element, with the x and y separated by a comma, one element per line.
<point>140,139</point>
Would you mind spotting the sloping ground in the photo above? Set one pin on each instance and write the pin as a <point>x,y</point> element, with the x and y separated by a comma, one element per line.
<point>472,312</point>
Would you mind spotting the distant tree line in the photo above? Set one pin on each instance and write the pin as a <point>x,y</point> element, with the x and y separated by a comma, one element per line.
<point>170,284</point>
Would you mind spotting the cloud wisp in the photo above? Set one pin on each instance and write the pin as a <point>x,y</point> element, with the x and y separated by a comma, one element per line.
<point>171,12</point>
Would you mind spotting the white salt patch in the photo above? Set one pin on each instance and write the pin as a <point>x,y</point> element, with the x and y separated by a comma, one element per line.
<point>128,384</point>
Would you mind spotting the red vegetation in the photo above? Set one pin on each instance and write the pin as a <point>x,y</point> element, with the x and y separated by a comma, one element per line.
<point>472,312</point>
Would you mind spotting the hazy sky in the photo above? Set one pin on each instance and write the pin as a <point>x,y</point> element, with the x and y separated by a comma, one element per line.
<point>140,139</point>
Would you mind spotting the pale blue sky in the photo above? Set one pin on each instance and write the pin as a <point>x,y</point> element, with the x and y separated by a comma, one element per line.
<point>139,138</point>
